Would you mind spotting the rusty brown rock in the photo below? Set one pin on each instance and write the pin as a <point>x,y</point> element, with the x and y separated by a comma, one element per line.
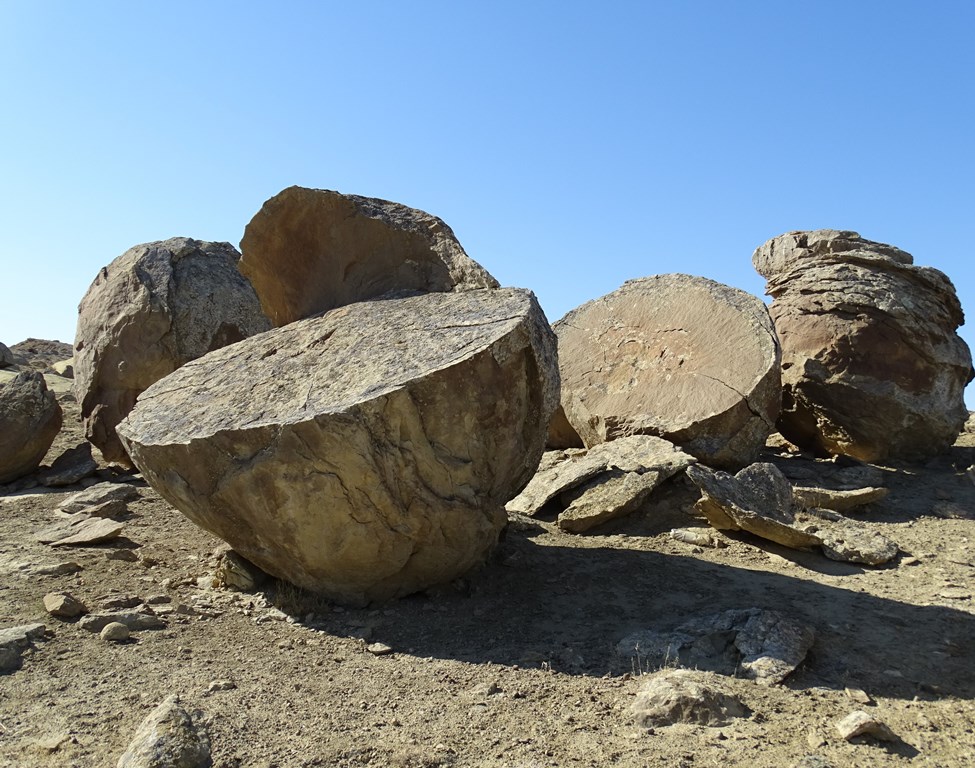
<point>310,250</point>
<point>872,365</point>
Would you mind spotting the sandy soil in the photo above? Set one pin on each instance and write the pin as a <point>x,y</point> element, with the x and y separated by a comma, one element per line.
<point>514,665</point>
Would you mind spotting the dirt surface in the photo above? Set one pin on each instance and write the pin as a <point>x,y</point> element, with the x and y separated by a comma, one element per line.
<point>516,664</point>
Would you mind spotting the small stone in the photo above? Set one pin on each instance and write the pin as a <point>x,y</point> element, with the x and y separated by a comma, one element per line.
<point>63,605</point>
<point>815,740</point>
<point>858,695</point>
<point>57,569</point>
<point>122,555</point>
<point>237,573</point>
<point>813,761</point>
<point>114,632</point>
<point>685,696</point>
<point>115,602</point>
<point>698,538</point>
<point>221,685</point>
<point>379,649</point>
<point>158,599</point>
<point>96,622</point>
<point>168,737</point>
<point>859,723</point>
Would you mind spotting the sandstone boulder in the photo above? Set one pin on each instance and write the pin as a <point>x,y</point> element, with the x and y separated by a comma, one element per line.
<point>310,250</point>
<point>363,454</point>
<point>154,308</point>
<point>872,365</point>
<point>30,419</point>
<point>680,357</point>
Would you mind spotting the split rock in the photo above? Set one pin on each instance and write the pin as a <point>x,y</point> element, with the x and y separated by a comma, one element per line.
<point>311,250</point>
<point>168,738</point>
<point>151,310</point>
<point>873,367</point>
<point>363,454</point>
<point>99,494</point>
<point>30,419</point>
<point>685,696</point>
<point>680,357</point>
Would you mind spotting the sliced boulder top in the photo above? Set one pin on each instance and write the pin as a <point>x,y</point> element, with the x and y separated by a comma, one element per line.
<point>310,250</point>
<point>873,367</point>
<point>30,419</point>
<point>680,357</point>
<point>363,454</point>
<point>151,310</point>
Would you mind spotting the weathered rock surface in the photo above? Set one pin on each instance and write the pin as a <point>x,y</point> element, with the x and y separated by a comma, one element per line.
<point>6,356</point>
<point>14,641</point>
<point>364,454</point>
<point>154,308</point>
<point>168,738</point>
<point>872,365</point>
<point>30,419</point>
<point>63,605</point>
<point>80,530</point>
<point>685,696</point>
<point>99,494</point>
<point>859,723</point>
<point>310,250</point>
<point>134,620</point>
<point>807,497</point>
<point>680,357</point>
<point>72,466</point>
<point>765,646</point>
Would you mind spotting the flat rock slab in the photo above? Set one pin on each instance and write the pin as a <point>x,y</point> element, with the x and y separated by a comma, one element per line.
<point>311,250</point>
<point>680,357</point>
<point>99,494</point>
<point>765,646</point>
<point>840,501</point>
<point>673,696</point>
<point>80,530</point>
<point>364,454</point>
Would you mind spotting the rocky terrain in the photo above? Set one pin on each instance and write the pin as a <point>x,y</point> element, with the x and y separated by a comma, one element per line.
<point>517,664</point>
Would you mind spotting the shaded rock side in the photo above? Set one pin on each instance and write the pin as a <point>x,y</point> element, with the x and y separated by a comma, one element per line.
<point>311,250</point>
<point>154,308</point>
<point>363,454</point>
<point>872,365</point>
<point>30,419</point>
<point>681,357</point>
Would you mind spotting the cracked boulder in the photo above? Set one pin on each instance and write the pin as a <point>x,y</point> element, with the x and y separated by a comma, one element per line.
<point>680,357</point>
<point>156,307</point>
<point>364,454</point>
<point>873,367</point>
<point>30,419</point>
<point>310,250</point>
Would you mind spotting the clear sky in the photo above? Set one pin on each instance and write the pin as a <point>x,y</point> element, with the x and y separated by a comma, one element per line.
<point>571,146</point>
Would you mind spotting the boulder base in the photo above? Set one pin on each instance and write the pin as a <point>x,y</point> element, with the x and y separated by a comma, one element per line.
<point>364,454</point>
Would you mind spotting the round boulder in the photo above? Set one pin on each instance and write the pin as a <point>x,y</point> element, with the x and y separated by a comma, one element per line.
<point>680,357</point>
<point>364,454</point>
<point>30,419</point>
<point>872,365</point>
<point>156,307</point>
<point>310,250</point>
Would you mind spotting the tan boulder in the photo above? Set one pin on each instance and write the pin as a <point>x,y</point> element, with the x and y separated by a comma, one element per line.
<point>310,250</point>
<point>30,419</point>
<point>154,308</point>
<point>684,358</point>
<point>364,454</point>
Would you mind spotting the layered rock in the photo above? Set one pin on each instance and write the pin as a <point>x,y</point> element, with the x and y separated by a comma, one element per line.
<point>872,365</point>
<point>156,307</point>
<point>363,454</point>
<point>680,357</point>
<point>310,250</point>
<point>30,419</point>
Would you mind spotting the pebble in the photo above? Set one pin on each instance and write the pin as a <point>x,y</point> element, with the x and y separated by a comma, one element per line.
<point>114,632</point>
<point>379,649</point>
<point>221,685</point>
<point>63,605</point>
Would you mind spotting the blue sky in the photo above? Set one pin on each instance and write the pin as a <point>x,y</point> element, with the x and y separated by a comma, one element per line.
<point>570,146</point>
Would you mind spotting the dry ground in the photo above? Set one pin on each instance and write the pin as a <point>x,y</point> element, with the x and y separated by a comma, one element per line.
<point>515,665</point>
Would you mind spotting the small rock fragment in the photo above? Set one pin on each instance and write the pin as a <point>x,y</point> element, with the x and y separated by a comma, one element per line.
<point>96,622</point>
<point>122,555</point>
<point>858,695</point>
<point>379,649</point>
<point>63,605</point>
<point>685,696</point>
<point>856,544</point>
<point>168,738</point>
<point>839,501</point>
<point>56,569</point>
<point>79,530</point>
<point>13,641</point>
<point>114,632</point>
<point>99,494</point>
<point>698,538</point>
<point>859,723</point>
<point>237,573</point>
<point>221,685</point>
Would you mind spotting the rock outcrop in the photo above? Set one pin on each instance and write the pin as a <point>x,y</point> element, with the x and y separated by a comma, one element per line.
<point>363,454</point>
<point>30,419</point>
<point>872,365</point>
<point>310,250</point>
<point>156,307</point>
<point>680,357</point>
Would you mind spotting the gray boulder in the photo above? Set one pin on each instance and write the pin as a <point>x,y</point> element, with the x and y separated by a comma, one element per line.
<point>30,419</point>
<point>156,307</point>
<point>363,454</point>
<point>872,365</point>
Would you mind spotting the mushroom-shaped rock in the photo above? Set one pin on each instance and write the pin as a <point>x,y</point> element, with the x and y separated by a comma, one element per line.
<point>872,365</point>
<point>156,307</point>
<point>681,357</point>
<point>30,419</point>
<point>310,250</point>
<point>364,454</point>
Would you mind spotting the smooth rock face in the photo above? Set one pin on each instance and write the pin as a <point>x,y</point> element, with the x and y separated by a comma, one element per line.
<point>168,738</point>
<point>363,454</point>
<point>684,358</point>
<point>156,307</point>
<point>310,250</point>
<point>872,365</point>
<point>30,419</point>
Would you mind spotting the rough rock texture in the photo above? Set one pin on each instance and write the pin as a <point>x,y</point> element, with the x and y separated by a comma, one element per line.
<point>561,434</point>
<point>310,250</point>
<point>168,738</point>
<point>154,308</point>
<point>859,723</point>
<point>13,642</point>
<point>681,357</point>
<point>6,356</point>
<point>64,605</point>
<point>685,696</point>
<point>72,466</point>
<point>364,454</point>
<point>30,419</point>
<point>825,498</point>
<point>872,365</point>
<point>40,354</point>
